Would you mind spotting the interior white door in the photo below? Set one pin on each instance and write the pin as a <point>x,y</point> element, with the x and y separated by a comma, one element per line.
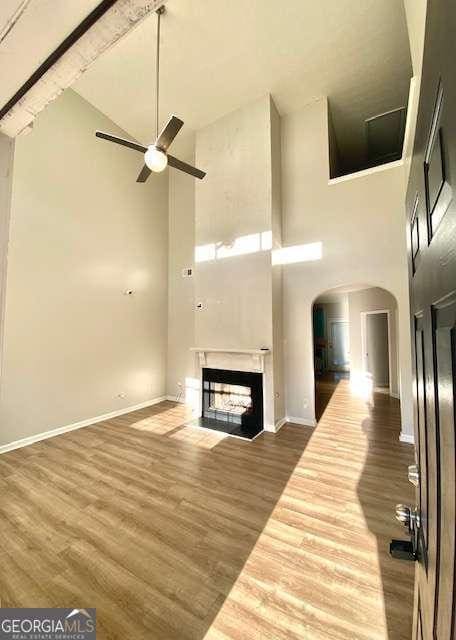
<point>377,356</point>
<point>340,350</point>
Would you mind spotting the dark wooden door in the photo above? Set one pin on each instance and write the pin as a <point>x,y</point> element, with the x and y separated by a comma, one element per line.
<point>431,206</point>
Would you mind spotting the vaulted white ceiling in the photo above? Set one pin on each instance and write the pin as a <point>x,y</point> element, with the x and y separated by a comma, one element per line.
<point>218,55</point>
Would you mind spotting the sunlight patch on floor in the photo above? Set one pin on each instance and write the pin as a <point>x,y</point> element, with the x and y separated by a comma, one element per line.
<point>198,437</point>
<point>308,583</point>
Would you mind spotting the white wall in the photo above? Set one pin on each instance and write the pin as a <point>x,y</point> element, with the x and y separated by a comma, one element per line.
<point>6,177</point>
<point>82,232</point>
<point>360,223</point>
<point>181,316</point>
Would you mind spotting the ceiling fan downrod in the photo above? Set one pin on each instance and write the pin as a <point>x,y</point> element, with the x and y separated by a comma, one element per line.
<point>160,11</point>
<point>156,156</point>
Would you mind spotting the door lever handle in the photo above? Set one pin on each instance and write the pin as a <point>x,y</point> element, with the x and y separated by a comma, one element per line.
<point>414,474</point>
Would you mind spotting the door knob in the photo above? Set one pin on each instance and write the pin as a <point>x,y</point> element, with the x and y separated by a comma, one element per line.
<point>408,517</point>
<point>414,474</point>
<point>404,515</point>
<point>406,549</point>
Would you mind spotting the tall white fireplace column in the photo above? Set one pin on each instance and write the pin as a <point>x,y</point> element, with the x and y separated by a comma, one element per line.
<point>238,300</point>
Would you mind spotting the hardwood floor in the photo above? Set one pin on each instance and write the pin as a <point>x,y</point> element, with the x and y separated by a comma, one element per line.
<point>326,384</point>
<point>175,533</point>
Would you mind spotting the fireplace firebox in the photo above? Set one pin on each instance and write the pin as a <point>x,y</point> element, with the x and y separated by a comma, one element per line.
<point>232,402</point>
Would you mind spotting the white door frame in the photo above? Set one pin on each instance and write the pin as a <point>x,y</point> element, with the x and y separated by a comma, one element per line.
<point>364,315</point>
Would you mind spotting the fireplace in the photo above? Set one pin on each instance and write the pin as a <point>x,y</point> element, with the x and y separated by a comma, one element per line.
<point>232,402</point>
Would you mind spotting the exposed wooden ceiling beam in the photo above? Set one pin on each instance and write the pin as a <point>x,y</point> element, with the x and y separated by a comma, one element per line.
<point>101,29</point>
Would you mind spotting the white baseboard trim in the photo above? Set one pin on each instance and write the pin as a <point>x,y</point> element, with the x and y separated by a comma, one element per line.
<point>270,428</point>
<point>24,442</point>
<point>174,399</point>
<point>306,422</point>
<point>407,437</point>
<point>280,423</point>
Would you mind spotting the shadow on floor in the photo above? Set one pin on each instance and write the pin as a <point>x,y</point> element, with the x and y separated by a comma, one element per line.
<point>383,484</point>
<point>364,436</point>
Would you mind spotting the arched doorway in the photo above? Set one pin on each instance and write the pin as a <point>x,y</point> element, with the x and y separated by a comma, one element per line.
<point>355,337</point>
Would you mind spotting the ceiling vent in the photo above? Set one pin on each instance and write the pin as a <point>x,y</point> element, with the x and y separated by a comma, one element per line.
<point>385,136</point>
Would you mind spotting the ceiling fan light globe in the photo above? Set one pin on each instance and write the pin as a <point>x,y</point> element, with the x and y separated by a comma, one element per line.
<point>155,159</point>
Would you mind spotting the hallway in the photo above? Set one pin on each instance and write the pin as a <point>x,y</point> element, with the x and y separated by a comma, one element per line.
<point>175,533</point>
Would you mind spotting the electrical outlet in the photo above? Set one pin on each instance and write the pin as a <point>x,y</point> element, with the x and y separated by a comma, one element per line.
<point>305,403</point>
<point>187,272</point>
<point>121,395</point>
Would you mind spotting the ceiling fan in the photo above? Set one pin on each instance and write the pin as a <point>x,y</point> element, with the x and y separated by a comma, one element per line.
<point>156,156</point>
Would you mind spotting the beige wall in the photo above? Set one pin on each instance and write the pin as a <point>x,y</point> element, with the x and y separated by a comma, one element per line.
<point>6,176</point>
<point>360,223</point>
<point>82,232</point>
<point>373,299</point>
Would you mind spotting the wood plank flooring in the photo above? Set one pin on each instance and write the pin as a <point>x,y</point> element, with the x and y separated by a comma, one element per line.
<point>175,533</point>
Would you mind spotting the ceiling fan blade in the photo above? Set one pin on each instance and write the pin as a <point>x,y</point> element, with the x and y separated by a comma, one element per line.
<point>187,168</point>
<point>125,143</point>
<point>168,133</point>
<point>144,174</point>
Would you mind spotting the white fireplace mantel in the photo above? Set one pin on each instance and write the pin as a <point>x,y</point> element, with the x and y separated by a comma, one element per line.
<point>256,355</point>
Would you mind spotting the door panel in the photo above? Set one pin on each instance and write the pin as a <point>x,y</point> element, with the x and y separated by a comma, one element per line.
<point>422,447</point>
<point>428,493</point>
<point>445,344</point>
<point>419,627</point>
<point>431,234</point>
